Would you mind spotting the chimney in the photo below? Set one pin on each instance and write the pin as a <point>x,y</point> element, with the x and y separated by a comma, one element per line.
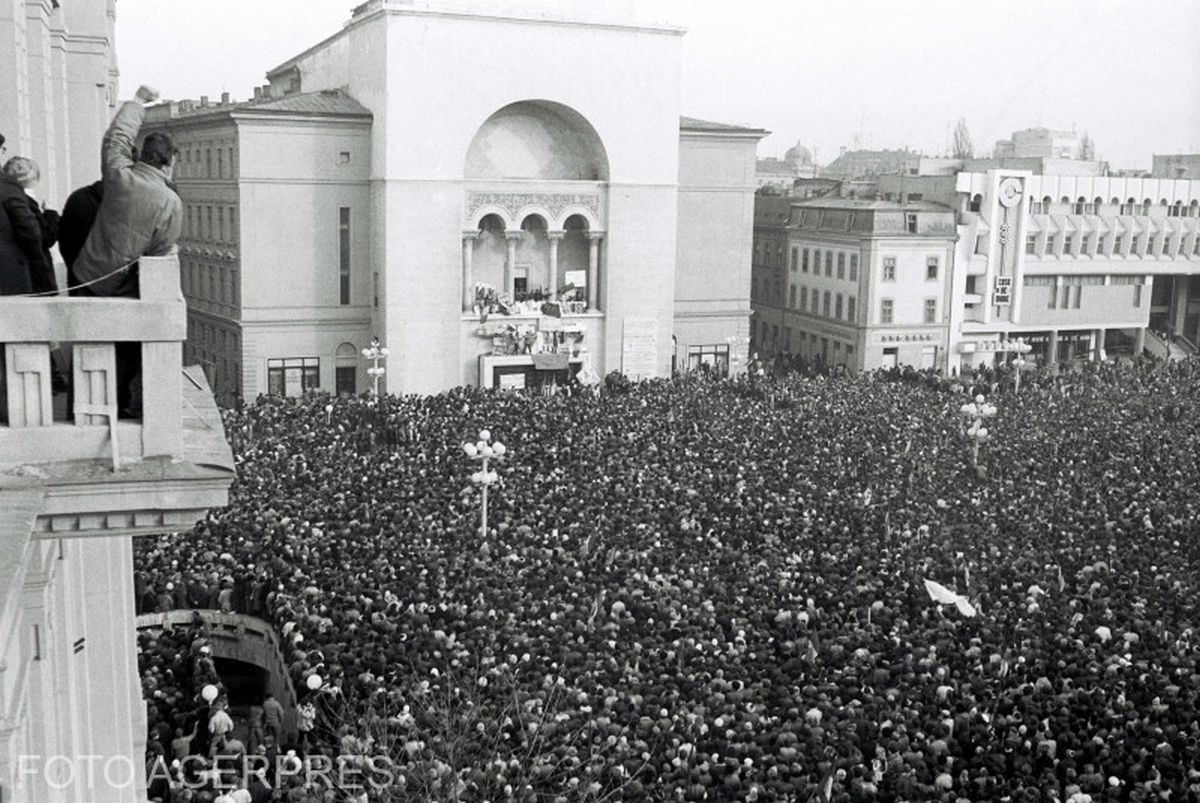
<point>224,98</point>
<point>258,93</point>
<point>204,101</point>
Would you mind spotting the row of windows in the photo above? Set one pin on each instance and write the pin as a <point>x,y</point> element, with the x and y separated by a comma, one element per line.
<point>211,281</point>
<point>887,311</point>
<point>810,345</point>
<point>1112,245</point>
<point>1096,206</point>
<point>206,163</point>
<point>932,268</point>
<point>814,261</point>
<point>829,304</point>
<point>210,223</point>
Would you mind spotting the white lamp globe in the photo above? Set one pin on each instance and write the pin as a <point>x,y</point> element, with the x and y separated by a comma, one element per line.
<point>313,682</point>
<point>209,693</point>
<point>499,449</point>
<point>484,435</point>
<point>983,433</point>
<point>979,399</point>
<point>487,451</point>
<point>470,449</point>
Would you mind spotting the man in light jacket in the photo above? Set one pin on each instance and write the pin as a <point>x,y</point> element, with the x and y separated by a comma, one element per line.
<point>140,214</point>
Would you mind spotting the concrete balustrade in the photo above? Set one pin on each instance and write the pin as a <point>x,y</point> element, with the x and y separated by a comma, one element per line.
<point>31,327</point>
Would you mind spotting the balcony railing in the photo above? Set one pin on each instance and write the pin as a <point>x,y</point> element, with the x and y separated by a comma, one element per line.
<point>30,328</point>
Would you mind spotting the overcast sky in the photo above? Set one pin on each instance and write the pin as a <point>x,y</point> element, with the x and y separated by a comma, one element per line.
<point>827,73</point>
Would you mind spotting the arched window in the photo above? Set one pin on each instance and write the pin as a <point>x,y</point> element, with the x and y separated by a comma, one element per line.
<point>976,203</point>
<point>346,370</point>
<point>1146,206</point>
<point>1080,205</point>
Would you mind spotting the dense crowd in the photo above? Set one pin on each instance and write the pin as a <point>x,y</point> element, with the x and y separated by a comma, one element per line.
<point>715,590</point>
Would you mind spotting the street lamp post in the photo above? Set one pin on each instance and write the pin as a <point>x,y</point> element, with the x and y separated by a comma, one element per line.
<point>1019,364</point>
<point>977,412</point>
<point>483,451</point>
<point>376,354</point>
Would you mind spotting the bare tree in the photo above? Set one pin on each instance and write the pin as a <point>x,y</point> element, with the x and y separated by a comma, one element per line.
<point>963,149</point>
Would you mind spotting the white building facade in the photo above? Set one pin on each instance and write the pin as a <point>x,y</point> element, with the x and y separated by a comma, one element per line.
<point>525,150</point>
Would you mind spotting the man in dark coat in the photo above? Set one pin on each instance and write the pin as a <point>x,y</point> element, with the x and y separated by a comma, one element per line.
<point>21,254</point>
<point>78,215</point>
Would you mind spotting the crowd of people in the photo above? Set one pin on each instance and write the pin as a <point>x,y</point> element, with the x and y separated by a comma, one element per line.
<point>715,590</point>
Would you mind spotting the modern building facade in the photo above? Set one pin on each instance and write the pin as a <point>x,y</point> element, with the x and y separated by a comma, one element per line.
<point>543,184</point>
<point>854,283</point>
<point>1044,143</point>
<point>1078,267</point>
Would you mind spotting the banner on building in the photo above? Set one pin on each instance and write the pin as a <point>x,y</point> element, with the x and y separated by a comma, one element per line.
<point>639,349</point>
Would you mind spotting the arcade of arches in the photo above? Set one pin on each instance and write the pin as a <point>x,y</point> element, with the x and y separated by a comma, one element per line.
<point>543,245</point>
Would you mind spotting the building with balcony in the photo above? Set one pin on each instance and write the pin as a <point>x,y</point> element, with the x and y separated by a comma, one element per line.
<point>500,232</point>
<point>1080,267</point>
<point>76,486</point>
<point>854,283</point>
<point>275,252</point>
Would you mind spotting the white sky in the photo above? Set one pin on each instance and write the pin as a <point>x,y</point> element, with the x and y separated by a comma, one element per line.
<point>818,71</point>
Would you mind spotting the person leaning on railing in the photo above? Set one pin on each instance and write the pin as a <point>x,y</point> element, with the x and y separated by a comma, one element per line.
<point>140,215</point>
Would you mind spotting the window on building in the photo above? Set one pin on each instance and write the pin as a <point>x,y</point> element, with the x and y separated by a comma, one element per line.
<point>889,269</point>
<point>910,223</point>
<point>795,258</point>
<point>816,301</point>
<point>841,266</point>
<point>792,296</point>
<point>854,267</point>
<point>1166,245</point>
<point>828,264</point>
<point>208,172</point>
<point>1068,245</point>
<point>220,163</point>
<point>931,310</point>
<point>1066,296</point>
<point>851,310</point>
<point>931,268</point>
<point>344,255</point>
<point>837,307</point>
<point>293,376</point>
<point>804,299</point>
<point>804,262</point>
<point>1119,245</point>
<point>826,300</point>
<point>210,229</point>
<point>1078,295</point>
<point>1031,244</point>
<point>1085,247</point>
<point>712,359</point>
<point>887,308</point>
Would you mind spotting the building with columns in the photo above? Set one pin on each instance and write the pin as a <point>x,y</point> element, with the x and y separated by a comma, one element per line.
<point>58,82</point>
<point>505,232</point>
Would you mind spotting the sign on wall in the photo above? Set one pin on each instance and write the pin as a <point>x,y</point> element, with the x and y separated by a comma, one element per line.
<point>639,349</point>
<point>1003,294</point>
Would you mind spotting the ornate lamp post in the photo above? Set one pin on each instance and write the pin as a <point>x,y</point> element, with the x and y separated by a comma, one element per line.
<point>376,354</point>
<point>484,450</point>
<point>977,412</point>
<point>1019,364</point>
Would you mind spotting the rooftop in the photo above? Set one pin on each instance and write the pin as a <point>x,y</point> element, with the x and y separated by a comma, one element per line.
<point>326,103</point>
<point>708,126</point>
<point>862,204</point>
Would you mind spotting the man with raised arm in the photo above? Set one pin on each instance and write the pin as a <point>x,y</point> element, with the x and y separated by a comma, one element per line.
<point>140,215</point>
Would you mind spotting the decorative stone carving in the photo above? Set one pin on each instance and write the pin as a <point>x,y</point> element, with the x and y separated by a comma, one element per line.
<point>514,202</point>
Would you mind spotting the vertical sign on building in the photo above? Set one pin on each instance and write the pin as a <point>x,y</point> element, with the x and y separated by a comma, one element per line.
<point>639,349</point>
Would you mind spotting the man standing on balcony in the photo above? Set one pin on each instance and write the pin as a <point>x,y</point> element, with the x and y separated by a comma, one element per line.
<point>140,215</point>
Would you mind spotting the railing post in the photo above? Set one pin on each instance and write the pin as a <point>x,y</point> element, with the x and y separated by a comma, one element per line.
<point>94,370</point>
<point>27,374</point>
<point>162,364</point>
